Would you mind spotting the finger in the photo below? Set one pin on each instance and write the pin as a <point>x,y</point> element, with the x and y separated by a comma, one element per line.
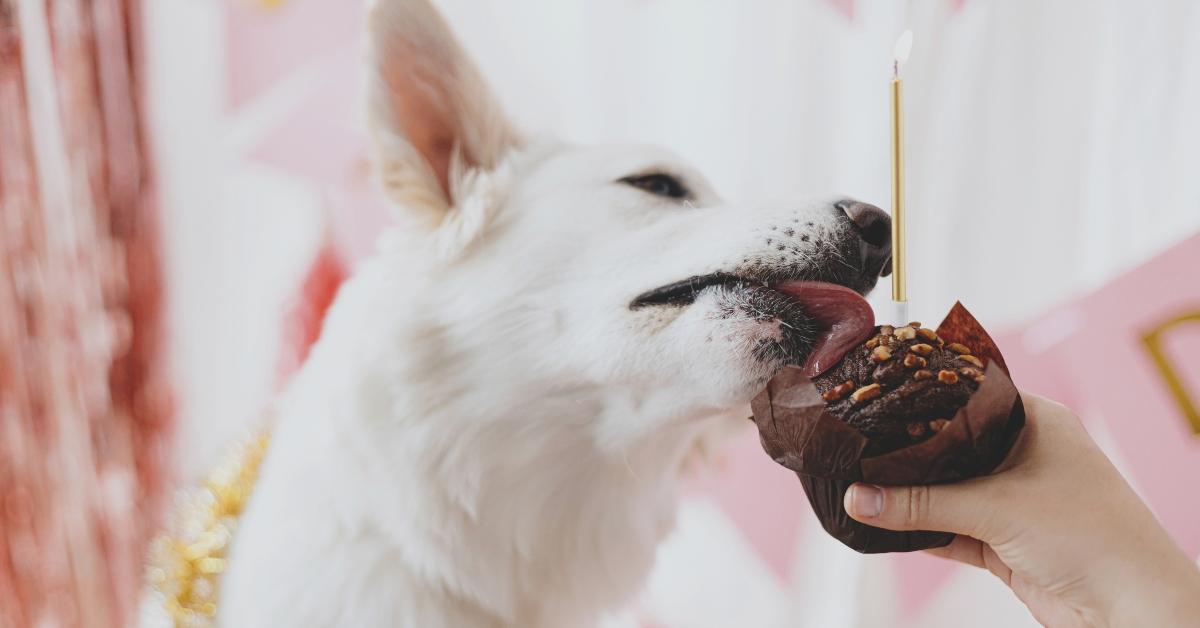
<point>975,553</point>
<point>1039,406</point>
<point>963,549</point>
<point>963,508</point>
<point>992,562</point>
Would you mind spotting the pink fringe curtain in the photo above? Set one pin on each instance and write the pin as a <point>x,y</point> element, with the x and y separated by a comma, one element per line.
<point>84,403</point>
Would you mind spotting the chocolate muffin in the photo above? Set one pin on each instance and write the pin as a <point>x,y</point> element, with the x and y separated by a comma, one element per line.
<point>901,386</point>
<point>904,406</point>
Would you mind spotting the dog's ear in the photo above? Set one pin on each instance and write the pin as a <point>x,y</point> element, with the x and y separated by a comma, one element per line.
<point>432,117</point>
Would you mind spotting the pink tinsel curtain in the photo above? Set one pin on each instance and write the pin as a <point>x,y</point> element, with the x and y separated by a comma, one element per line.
<point>84,402</point>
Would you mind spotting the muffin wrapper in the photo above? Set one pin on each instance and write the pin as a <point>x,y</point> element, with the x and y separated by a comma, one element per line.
<point>827,455</point>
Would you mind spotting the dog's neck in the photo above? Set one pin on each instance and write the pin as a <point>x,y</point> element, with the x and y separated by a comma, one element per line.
<point>487,486</point>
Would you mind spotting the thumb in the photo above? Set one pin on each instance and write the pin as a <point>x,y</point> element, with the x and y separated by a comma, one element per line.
<point>959,508</point>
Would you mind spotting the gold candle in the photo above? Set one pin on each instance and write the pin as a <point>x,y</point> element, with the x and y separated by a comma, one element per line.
<point>899,253</point>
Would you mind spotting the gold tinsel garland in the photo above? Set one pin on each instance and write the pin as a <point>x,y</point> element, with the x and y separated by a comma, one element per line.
<point>186,564</point>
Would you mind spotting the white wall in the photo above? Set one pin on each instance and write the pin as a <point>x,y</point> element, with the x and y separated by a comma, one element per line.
<point>1050,144</point>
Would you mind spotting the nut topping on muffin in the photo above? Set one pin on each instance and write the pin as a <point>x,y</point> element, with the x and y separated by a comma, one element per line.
<point>875,391</point>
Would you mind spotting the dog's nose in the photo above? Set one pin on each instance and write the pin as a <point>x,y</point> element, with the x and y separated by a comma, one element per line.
<point>874,228</point>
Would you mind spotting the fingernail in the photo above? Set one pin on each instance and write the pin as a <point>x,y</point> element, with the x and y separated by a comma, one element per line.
<point>866,500</point>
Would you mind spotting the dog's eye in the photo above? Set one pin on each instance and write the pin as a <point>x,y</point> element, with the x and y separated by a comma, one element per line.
<point>658,184</point>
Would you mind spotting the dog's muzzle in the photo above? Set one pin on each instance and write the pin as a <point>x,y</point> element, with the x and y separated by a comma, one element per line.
<point>830,307</point>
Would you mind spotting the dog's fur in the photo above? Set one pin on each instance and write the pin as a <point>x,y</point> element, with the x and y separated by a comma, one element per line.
<point>487,434</point>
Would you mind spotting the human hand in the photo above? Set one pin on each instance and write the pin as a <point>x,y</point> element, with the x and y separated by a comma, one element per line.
<point>1058,524</point>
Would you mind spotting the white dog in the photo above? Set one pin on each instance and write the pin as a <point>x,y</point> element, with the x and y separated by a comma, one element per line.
<point>491,428</point>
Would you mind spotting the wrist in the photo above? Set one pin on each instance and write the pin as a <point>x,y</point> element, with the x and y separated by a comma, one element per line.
<point>1166,596</point>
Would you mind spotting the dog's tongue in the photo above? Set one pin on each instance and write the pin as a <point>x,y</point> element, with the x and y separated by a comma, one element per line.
<point>845,318</point>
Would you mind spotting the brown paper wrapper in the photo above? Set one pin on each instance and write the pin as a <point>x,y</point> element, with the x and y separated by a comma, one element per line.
<point>827,454</point>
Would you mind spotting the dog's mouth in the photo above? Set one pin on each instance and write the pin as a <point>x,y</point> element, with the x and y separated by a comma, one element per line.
<point>841,316</point>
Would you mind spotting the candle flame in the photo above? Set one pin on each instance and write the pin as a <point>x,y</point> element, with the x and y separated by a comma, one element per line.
<point>901,51</point>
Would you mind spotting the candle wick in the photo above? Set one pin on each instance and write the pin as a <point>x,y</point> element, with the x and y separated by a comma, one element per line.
<point>895,68</point>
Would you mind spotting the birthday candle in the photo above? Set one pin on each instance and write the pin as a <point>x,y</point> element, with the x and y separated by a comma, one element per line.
<point>899,253</point>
